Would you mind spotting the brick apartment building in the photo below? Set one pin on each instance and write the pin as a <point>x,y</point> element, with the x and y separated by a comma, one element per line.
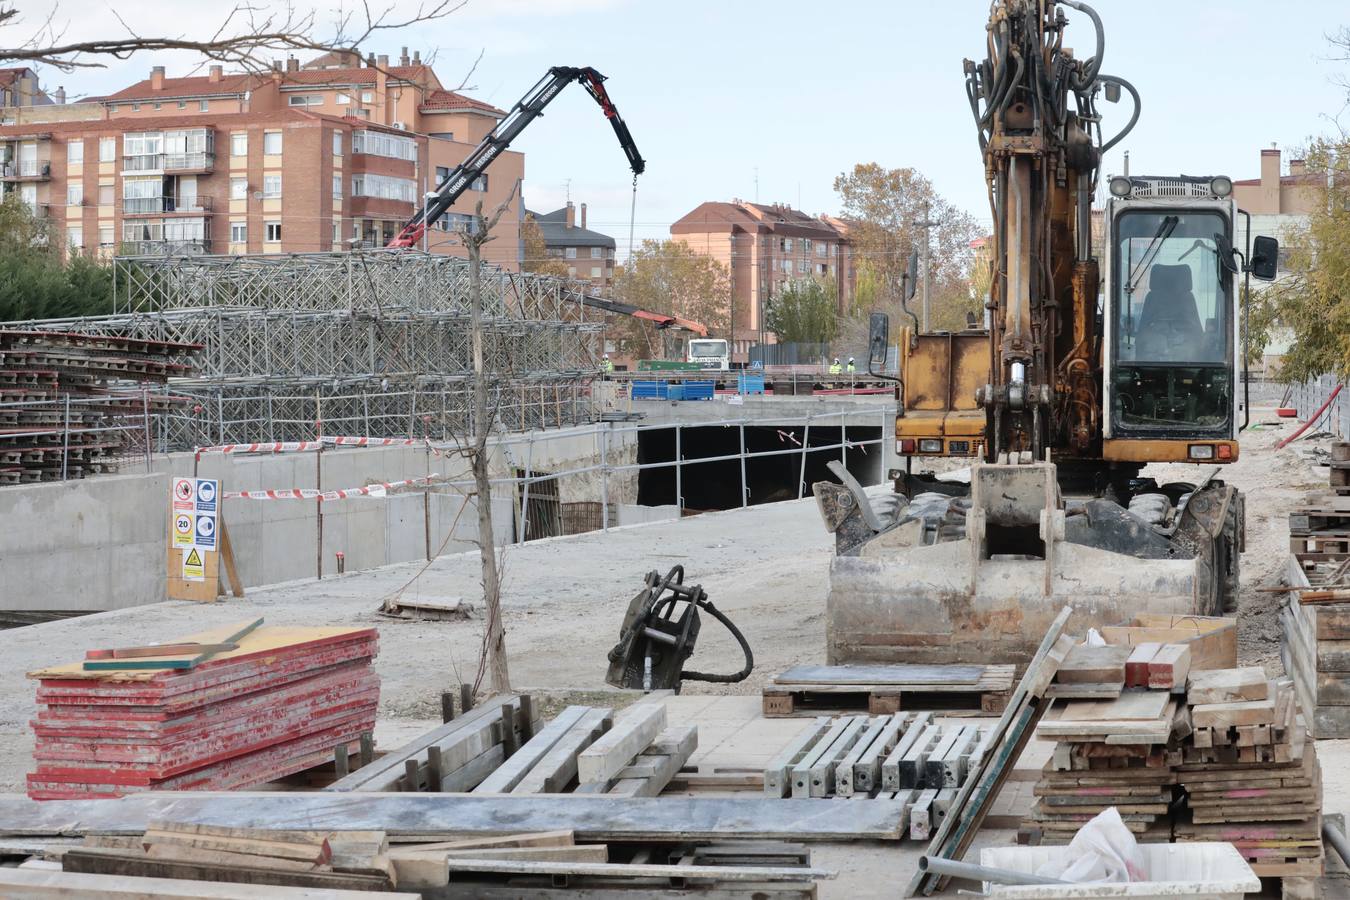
<point>336,153</point>
<point>765,247</point>
<point>588,255</point>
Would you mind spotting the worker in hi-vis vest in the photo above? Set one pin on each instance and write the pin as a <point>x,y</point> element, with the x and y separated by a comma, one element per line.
<point>607,365</point>
<point>835,368</point>
<point>851,367</point>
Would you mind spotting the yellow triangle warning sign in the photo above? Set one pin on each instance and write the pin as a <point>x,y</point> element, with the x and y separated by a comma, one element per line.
<point>193,559</point>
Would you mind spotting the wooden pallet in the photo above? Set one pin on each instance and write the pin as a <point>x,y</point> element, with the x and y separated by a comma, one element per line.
<point>882,690</point>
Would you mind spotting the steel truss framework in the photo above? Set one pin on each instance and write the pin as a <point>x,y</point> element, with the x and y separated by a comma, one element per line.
<point>375,343</point>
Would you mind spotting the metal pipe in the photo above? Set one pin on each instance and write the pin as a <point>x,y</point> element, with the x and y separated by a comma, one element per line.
<point>1336,838</point>
<point>956,869</point>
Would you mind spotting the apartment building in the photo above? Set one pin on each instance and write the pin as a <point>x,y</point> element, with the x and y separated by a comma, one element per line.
<point>766,246</point>
<point>588,255</point>
<point>325,156</point>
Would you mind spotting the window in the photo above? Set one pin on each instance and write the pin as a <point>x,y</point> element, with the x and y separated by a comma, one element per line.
<point>159,106</point>
<point>238,233</point>
<point>442,173</point>
<point>597,253</point>
<point>105,236</point>
<point>787,245</point>
<point>107,149</point>
<point>460,222</point>
<point>343,99</point>
<point>785,265</point>
<point>239,143</point>
<point>135,107</point>
<point>337,231</point>
<point>821,248</point>
<point>384,187</point>
<point>182,104</point>
<point>305,100</point>
<point>480,183</point>
<point>238,188</point>
<point>143,195</point>
<point>75,153</point>
<point>272,143</point>
<point>112,108</point>
<point>75,194</point>
<point>571,252</point>
<point>271,187</point>
<point>337,143</point>
<point>337,186</point>
<point>203,105</point>
<point>272,234</point>
<point>595,271</point>
<point>571,271</point>
<point>801,267</point>
<point>142,149</point>
<point>442,135</point>
<point>75,237</point>
<point>107,195</point>
<point>367,97</point>
<point>377,143</point>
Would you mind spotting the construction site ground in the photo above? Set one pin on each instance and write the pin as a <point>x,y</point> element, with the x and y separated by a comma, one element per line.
<point>766,567</point>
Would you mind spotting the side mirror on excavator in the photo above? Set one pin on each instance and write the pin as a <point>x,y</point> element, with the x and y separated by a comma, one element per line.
<point>1265,258</point>
<point>878,340</point>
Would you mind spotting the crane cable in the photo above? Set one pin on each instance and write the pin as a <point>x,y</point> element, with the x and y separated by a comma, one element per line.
<point>632,219</point>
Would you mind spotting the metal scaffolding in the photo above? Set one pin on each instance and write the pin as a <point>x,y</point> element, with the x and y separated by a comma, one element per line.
<point>374,343</point>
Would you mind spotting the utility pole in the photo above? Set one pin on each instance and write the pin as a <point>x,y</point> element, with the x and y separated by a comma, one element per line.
<point>926,224</point>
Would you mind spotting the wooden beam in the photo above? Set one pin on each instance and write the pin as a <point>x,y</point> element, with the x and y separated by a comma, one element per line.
<point>519,764</point>
<point>433,816</point>
<point>37,884</point>
<point>558,767</point>
<point>633,730</point>
<point>778,774</point>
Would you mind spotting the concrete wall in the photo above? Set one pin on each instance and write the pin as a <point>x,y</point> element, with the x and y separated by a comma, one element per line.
<point>92,544</point>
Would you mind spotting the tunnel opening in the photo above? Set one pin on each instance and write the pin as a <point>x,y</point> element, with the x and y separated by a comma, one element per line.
<point>716,484</point>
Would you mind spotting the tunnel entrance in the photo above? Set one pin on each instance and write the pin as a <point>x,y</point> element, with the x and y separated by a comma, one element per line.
<point>768,479</point>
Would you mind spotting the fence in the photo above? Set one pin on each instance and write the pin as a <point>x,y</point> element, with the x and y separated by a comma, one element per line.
<point>1308,398</point>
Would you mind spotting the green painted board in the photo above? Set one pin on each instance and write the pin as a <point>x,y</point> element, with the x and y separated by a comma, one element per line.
<point>167,662</point>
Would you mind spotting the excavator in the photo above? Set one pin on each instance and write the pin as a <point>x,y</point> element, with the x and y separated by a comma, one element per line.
<point>529,108</point>
<point>1112,340</point>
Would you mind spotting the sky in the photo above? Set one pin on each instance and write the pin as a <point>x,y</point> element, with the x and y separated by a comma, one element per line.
<point>772,100</point>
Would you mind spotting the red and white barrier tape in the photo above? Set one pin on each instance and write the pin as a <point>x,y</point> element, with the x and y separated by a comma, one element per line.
<point>370,490</point>
<point>373,442</point>
<point>268,447</point>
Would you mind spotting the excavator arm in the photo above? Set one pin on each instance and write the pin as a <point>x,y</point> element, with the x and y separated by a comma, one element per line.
<point>529,108</point>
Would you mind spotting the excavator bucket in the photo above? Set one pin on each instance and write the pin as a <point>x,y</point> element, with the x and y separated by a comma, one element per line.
<point>979,579</point>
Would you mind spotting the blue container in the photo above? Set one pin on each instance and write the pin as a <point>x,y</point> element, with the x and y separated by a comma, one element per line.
<point>649,390</point>
<point>699,390</point>
<point>749,384</point>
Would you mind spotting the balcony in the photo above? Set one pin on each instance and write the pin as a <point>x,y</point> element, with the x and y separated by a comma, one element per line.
<point>169,162</point>
<point>26,170</point>
<point>165,248</point>
<point>159,206</point>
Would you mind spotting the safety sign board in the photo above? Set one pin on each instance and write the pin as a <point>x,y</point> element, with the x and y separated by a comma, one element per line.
<point>183,529</point>
<point>184,491</point>
<point>193,570</point>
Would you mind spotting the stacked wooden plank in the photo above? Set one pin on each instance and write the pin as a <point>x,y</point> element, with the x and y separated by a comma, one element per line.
<point>1315,638</point>
<point>885,689</point>
<point>1340,468</point>
<point>522,865</point>
<point>1249,774</point>
<point>42,436</point>
<point>279,703</point>
<point>1320,531</point>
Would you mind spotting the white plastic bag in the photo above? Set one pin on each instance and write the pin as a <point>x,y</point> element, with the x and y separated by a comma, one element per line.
<point>1103,850</point>
<point>1094,638</point>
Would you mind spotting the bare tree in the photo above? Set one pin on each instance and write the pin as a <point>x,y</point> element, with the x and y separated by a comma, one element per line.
<point>494,650</point>
<point>247,37</point>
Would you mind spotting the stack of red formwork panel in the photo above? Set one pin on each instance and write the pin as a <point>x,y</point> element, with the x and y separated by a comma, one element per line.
<point>278,704</point>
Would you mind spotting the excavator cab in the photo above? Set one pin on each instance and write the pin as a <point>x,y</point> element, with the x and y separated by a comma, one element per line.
<point>1170,327</point>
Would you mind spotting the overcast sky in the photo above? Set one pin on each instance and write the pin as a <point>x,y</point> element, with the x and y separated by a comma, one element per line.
<point>743,98</point>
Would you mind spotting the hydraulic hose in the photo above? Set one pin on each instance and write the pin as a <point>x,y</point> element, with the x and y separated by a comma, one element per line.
<point>1095,63</point>
<point>1311,419</point>
<point>1138,105</point>
<point>674,582</point>
<point>740,639</point>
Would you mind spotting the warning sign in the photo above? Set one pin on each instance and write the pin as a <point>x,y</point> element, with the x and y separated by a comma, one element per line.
<point>183,493</point>
<point>183,529</point>
<point>193,570</point>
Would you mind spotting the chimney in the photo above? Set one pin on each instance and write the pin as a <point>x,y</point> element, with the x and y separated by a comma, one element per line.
<point>370,60</point>
<point>215,74</point>
<point>571,215</point>
<point>1298,167</point>
<point>383,60</point>
<point>59,95</point>
<point>276,65</point>
<point>417,57</point>
<point>403,57</point>
<point>157,78</point>
<point>1269,203</point>
<point>583,215</point>
<point>292,64</point>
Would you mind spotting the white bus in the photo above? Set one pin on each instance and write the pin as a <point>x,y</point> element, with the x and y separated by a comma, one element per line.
<point>709,353</point>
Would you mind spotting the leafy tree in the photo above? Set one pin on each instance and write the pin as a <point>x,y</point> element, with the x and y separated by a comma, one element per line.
<point>882,206</point>
<point>536,258</point>
<point>670,277</point>
<point>804,311</point>
<point>34,281</point>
